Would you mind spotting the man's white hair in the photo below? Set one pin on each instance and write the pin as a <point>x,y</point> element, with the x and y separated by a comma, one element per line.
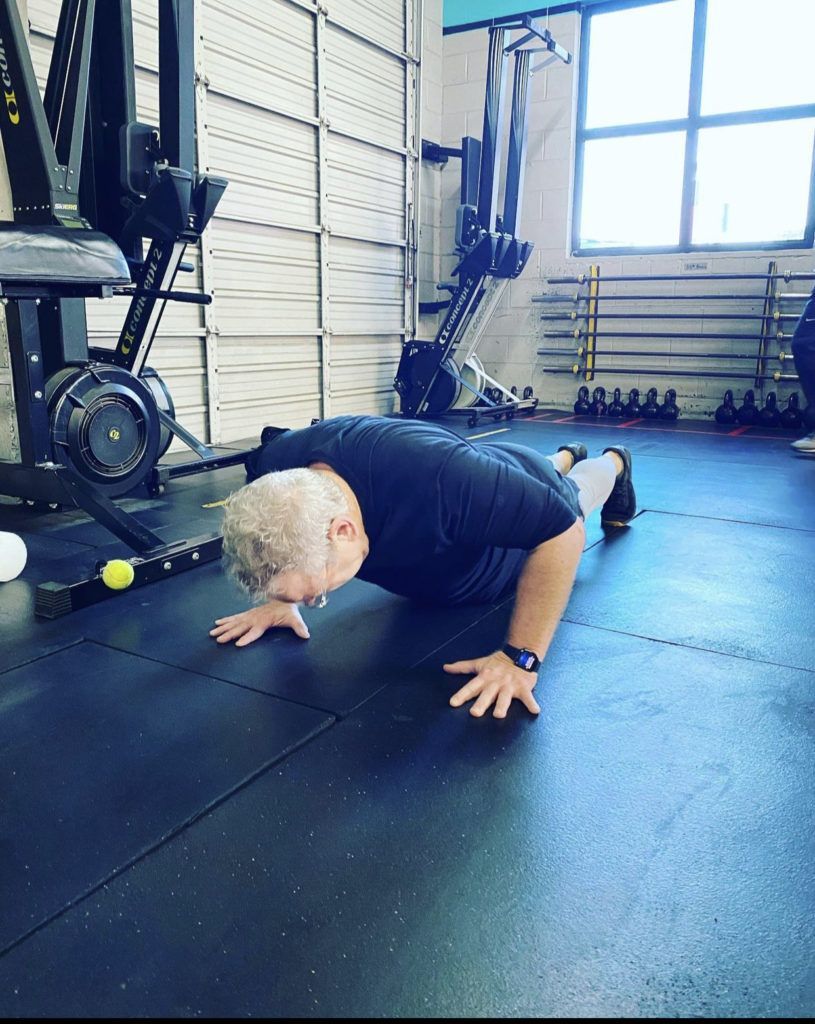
<point>277,524</point>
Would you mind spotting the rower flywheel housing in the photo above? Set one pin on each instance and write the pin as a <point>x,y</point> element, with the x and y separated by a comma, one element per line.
<point>104,425</point>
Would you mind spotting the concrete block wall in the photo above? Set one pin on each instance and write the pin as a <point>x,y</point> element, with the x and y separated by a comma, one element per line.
<point>509,347</point>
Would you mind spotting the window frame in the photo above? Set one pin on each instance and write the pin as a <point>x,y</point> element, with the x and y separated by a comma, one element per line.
<point>691,125</point>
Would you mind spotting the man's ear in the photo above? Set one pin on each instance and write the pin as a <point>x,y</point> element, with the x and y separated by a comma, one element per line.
<point>342,528</point>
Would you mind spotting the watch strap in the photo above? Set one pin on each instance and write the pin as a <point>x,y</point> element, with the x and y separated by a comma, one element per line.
<point>522,657</point>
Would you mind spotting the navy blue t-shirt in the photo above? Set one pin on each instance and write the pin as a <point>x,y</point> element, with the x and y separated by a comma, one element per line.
<point>448,522</point>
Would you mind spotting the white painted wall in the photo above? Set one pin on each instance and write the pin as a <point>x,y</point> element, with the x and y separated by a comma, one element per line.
<point>510,345</point>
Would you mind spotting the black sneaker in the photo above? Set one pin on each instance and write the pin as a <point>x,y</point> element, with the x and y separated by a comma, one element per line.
<point>621,505</point>
<point>577,451</point>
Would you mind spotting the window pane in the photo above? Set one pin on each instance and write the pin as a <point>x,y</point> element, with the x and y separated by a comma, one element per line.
<point>753,182</point>
<point>758,55</point>
<point>639,64</point>
<point>632,191</point>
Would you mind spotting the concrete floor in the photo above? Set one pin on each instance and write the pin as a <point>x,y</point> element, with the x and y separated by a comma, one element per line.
<point>309,830</point>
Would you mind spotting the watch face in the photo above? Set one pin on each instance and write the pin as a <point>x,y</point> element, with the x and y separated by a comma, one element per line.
<point>527,660</point>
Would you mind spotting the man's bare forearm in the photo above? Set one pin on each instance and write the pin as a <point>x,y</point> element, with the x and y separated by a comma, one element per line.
<point>544,588</point>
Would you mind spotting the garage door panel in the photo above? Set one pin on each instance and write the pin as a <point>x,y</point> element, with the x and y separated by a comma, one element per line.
<point>366,190</point>
<point>271,163</point>
<point>384,22</point>
<point>268,380</point>
<point>366,90</point>
<point>262,53</point>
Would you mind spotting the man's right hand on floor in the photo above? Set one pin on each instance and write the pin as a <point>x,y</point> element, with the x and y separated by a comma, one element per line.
<point>245,627</point>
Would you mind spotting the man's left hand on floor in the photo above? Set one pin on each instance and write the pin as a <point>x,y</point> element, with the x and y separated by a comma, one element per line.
<point>496,681</point>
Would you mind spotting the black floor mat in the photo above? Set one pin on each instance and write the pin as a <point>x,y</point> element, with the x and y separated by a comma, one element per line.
<point>643,848</point>
<point>105,754</point>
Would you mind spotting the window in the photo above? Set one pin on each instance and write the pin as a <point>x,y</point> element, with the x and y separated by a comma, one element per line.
<point>696,126</point>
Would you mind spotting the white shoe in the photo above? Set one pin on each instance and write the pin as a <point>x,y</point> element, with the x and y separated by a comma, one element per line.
<point>805,445</point>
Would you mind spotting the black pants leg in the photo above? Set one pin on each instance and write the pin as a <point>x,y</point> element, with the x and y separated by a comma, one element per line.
<point>803,349</point>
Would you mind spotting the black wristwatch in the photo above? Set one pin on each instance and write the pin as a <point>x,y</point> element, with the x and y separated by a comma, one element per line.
<point>523,658</point>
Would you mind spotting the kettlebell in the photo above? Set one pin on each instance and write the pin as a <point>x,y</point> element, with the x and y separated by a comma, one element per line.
<point>747,415</point>
<point>616,407</point>
<point>669,410</point>
<point>769,415</point>
<point>581,406</point>
<point>650,410</point>
<point>598,406</point>
<point>791,417</point>
<point>726,413</point>
<point>632,406</point>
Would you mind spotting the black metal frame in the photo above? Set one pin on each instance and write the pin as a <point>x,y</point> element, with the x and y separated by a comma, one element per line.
<point>486,240</point>
<point>44,190</point>
<point>691,126</point>
<point>56,599</point>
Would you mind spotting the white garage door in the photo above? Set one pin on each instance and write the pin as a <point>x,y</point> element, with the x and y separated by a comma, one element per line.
<point>310,112</point>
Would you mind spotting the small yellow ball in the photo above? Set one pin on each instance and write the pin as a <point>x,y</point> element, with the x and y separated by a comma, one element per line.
<point>117,574</point>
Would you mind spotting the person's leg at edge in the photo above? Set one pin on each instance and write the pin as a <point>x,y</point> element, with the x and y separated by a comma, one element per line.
<point>803,350</point>
<point>595,479</point>
<point>563,461</point>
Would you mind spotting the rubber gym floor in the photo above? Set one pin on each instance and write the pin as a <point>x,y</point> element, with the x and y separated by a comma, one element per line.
<point>308,829</point>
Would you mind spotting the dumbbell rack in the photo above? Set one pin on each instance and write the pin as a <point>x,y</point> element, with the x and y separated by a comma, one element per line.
<point>591,322</point>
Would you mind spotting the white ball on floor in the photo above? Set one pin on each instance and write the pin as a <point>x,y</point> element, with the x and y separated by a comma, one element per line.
<point>13,556</point>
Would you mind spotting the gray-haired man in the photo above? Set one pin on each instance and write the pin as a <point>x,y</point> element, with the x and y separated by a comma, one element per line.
<point>418,510</point>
